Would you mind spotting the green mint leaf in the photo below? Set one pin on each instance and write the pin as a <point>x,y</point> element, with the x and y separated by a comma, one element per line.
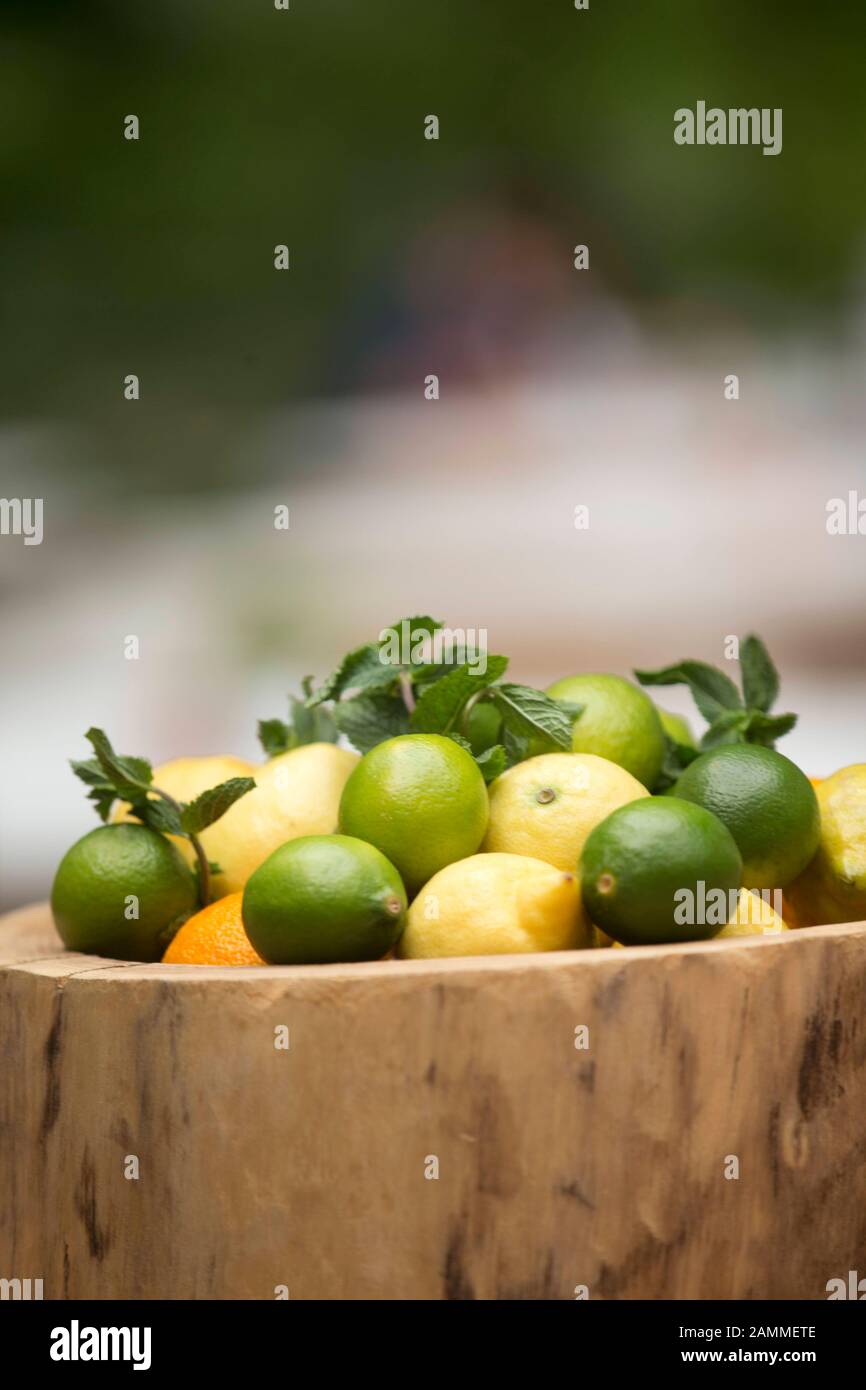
<point>428,661</point>
<point>276,737</point>
<point>728,727</point>
<point>441,703</point>
<point>425,676</point>
<point>405,647</point>
<point>529,714</point>
<point>759,675</point>
<point>303,720</point>
<point>311,725</point>
<point>493,762</point>
<point>89,771</point>
<point>371,718</point>
<point>516,745</point>
<point>306,725</point>
<point>376,665</point>
<point>410,634</point>
<point>463,742</point>
<point>111,777</point>
<point>402,651</point>
<point>210,805</point>
<point>102,792</point>
<point>159,814</point>
<point>128,776</point>
<point>573,710</point>
<point>448,660</point>
<point>766,728</point>
<point>713,692</point>
<point>363,669</point>
<point>490,763</point>
<point>325,727</point>
<point>103,799</point>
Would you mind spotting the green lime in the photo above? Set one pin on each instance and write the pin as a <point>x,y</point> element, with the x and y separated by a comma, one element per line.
<point>122,891</point>
<point>421,800</point>
<point>324,898</point>
<point>660,869</point>
<point>619,722</point>
<point>677,727</point>
<point>483,727</point>
<point>766,802</point>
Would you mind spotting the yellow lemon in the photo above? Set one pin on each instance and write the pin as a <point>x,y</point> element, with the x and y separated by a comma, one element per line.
<point>832,887</point>
<point>496,904</point>
<point>547,806</point>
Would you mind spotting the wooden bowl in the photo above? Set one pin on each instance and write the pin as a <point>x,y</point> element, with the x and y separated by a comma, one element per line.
<point>432,1131</point>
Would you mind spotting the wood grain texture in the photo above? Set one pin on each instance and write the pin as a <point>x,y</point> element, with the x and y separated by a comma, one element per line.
<point>557,1167</point>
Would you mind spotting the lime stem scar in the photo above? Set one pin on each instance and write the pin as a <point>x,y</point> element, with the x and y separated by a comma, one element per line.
<point>547,794</point>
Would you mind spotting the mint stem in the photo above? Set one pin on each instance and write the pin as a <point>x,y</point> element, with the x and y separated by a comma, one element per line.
<point>198,848</point>
<point>469,707</point>
<point>406,691</point>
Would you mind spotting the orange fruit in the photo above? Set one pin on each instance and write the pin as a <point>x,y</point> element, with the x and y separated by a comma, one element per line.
<point>214,936</point>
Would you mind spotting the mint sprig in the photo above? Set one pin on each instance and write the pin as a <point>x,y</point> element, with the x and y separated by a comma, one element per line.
<point>732,716</point>
<point>373,667</point>
<point>712,691</point>
<point>112,777</point>
<point>361,669</point>
<point>398,685</point>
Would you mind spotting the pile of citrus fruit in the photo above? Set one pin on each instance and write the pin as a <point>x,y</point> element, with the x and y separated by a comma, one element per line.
<point>466,822</point>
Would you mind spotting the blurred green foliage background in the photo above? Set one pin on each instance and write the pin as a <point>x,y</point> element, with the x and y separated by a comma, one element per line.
<point>306,127</point>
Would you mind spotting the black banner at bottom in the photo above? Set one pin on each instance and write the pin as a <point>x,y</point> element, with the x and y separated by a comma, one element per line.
<point>146,1337</point>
